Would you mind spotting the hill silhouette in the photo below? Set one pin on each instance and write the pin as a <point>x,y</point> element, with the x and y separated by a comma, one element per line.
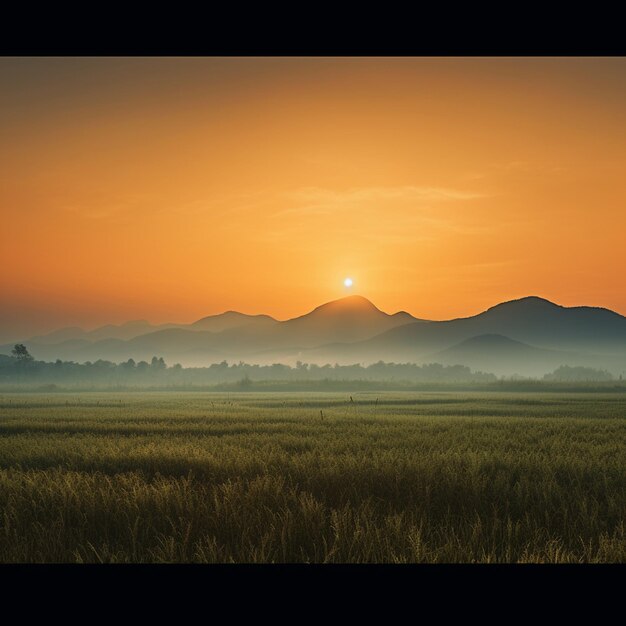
<point>230,335</point>
<point>348,319</point>
<point>229,319</point>
<point>531,320</point>
<point>127,330</point>
<point>495,352</point>
<point>531,334</point>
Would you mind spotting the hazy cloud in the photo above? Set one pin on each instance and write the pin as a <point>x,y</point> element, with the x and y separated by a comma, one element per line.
<point>402,214</point>
<point>316,200</point>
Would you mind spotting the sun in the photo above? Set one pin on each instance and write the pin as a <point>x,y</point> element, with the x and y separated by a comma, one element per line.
<point>347,282</point>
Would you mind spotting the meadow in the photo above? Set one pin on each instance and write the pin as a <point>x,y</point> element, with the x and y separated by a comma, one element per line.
<point>391,477</point>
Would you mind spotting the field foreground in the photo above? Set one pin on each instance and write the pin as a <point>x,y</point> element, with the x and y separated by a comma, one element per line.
<point>313,477</point>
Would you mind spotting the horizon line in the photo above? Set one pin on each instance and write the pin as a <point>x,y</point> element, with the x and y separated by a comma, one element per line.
<point>310,311</point>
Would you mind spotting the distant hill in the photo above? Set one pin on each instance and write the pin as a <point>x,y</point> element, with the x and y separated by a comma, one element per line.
<point>540,322</point>
<point>128,330</point>
<point>526,336</point>
<point>497,353</point>
<point>57,336</point>
<point>349,319</point>
<point>229,335</point>
<point>229,319</point>
<point>135,328</point>
<point>531,320</point>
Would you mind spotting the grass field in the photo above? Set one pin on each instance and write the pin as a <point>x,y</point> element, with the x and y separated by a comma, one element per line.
<point>313,477</point>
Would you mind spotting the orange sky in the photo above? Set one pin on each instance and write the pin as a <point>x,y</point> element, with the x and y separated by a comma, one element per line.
<point>170,189</point>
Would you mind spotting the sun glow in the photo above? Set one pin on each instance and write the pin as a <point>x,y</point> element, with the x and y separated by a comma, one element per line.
<point>261,180</point>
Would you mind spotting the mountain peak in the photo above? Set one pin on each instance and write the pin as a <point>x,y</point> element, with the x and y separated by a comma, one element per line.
<point>349,304</point>
<point>347,319</point>
<point>525,303</point>
<point>225,314</point>
<point>228,319</point>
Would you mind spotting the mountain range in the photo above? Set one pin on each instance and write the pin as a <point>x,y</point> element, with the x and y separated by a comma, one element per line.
<point>529,336</point>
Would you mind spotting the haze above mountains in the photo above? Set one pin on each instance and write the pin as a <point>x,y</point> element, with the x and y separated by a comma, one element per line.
<point>530,336</point>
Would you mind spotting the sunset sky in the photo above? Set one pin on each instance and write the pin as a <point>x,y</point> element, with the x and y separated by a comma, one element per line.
<point>171,189</point>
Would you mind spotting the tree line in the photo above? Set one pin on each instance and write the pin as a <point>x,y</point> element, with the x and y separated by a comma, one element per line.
<point>21,369</point>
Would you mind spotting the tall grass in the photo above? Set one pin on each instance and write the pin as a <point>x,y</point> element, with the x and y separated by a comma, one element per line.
<point>397,477</point>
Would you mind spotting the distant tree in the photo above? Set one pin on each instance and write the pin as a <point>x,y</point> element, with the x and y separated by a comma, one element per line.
<point>158,363</point>
<point>244,383</point>
<point>21,353</point>
<point>566,373</point>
